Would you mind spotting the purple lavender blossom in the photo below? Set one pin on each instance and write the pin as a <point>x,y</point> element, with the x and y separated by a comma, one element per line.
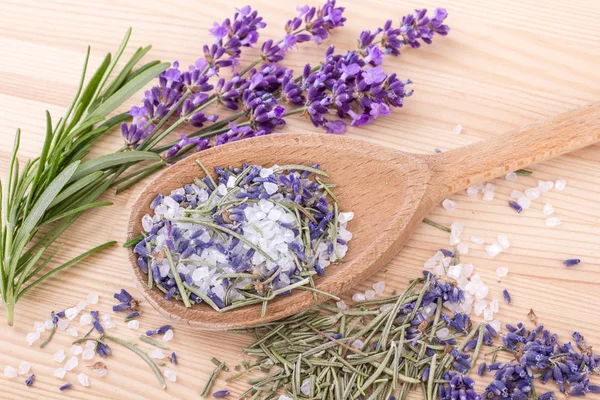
<point>515,206</point>
<point>317,22</point>
<point>221,393</point>
<point>571,262</point>
<point>65,387</point>
<point>103,350</point>
<point>506,296</point>
<point>29,380</point>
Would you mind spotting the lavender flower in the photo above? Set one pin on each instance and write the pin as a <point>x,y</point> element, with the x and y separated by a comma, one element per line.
<point>221,393</point>
<point>103,350</point>
<point>96,322</point>
<point>571,262</point>
<point>515,206</point>
<point>126,301</point>
<point>506,296</point>
<point>65,387</point>
<point>173,358</point>
<point>29,381</point>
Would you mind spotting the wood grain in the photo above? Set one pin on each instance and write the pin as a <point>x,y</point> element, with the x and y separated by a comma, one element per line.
<point>505,63</point>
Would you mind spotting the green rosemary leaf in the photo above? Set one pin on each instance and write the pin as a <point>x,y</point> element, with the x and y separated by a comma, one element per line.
<point>40,267</point>
<point>133,242</point>
<point>182,291</point>
<point>116,120</point>
<point>42,159</point>
<point>128,90</point>
<point>49,338</point>
<point>112,160</point>
<point>523,172</point>
<point>63,266</point>
<point>61,124</point>
<point>27,268</point>
<point>141,69</point>
<point>78,210</point>
<point>436,225</point>
<point>146,172</point>
<point>153,342</point>
<point>211,380</point>
<point>120,79</point>
<point>76,187</point>
<point>315,171</point>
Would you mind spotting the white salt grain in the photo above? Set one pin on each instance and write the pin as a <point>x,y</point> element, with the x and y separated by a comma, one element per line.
<point>168,335</point>
<point>511,176</point>
<point>24,367</point>
<point>157,353</point>
<point>39,326</point>
<point>92,298</point>
<point>548,209</point>
<point>496,325</point>
<point>72,331</point>
<point>48,324</point>
<point>71,313</point>
<point>32,337</point>
<point>449,205</point>
<point>89,344</point>
<point>560,185</point>
<point>270,188</point>
<point>358,344</point>
<point>545,186</point>
<point>488,314</point>
<point>488,195</point>
<point>493,250</point>
<point>71,363</point>
<point>379,287</point>
<point>463,248</point>
<point>76,350</point>
<point>10,372</point>
<point>370,294</point>
<point>306,386</point>
<point>454,271</point>
<point>443,333</point>
<point>456,228</point>
<point>358,297</point>
<point>60,372</point>
<point>494,306</point>
<point>517,194</point>
<point>482,292</point>
<point>524,202</point>
<point>552,222</point>
<point>59,356</point>
<point>88,354</point>
<point>170,375</point>
<point>501,272</point>
<point>503,241</point>
<point>284,397</point>
<point>85,319</point>
<point>477,240</point>
<point>341,305</point>
<point>83,379</point>
<point>467,270</point>
<point>453,240</point>
<point>62,324</point>
<point>472,191</point>
<point>479,306</point>
<point>533,193</point>
<point>133,324</point>
<point>457,129</point>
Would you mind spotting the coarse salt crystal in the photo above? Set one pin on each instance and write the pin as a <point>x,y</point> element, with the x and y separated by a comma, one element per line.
<point>493,250</point>
<point>60,372</point>
<point>157,353</point>
<point>358,297</point>
<point>501,271</point>
<point>59,356</point>
<point>306,387</point>
<point>457,228</point>
<point>83,379</point>
<point>39,326</point>
<point>517,194</point>
<point>494,306</point>
<point>72,331</point>
<point>560,185</point>
<point>379,287</point>
<point>503,241</point>
<point>488,314</point>
<point>472,191</point>
<point>453,240</point>
<point>89,344</point>
<point>341,305</point>
<point>552,221</point>
<point>76,350</point>
<point>496,325</point>
<point>32,337</point>
<point>85,319</point>
<point>170,375</point>
<point>358,344</point>
<point>479,306</point>
<point>71,313</point>
<point>88,354</point>
<point>545,185</point>
<point>488,195</point>
<point>133,324</point>
<point>71,363</point>
<point>62,324</point>
<point>462,248</point>
<point>449,205</point>
<point>548,209</point>
<point>455,271</point>
<point>524,202</point>
<point>482,292</point>
<point>511,176</point>
<point>10,372</point>
<point>24,367</point>
<point>92,298</point>
<point>48,324</point>
<point>101,371</point>
<point>533,193</point>
<point>370,294</point>
<point>168,335</point>
<point>429,309</point>
<point>467,270</point>
<point>443,333</point>
<point>231,182</point>
<point>457,129</point>
<point>270,187</point>
<point>477,240</point>
<point>81,305</point>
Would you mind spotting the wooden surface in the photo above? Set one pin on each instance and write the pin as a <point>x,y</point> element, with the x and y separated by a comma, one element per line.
<point>504,64</point>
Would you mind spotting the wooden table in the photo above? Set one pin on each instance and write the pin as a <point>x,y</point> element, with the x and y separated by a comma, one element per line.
<point>504,64</point>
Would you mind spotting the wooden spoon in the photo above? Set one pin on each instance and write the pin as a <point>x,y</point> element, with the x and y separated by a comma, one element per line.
<point>389,191</point>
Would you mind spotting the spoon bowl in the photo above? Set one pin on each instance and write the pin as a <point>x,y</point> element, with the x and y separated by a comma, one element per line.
<point>389,192</point>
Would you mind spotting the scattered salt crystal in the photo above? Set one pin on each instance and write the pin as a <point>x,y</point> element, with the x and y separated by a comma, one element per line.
<point>496,325</point>
<point>443,333</point>
<point>270,187</point>
<point>545,185</point>
<point>479,306</point>
<point>457,129</point>
<point>306,386</point>
<point>24,367</point>
<point>358,297</point>
<point>59,356</point>
<point>10,372</point>
<point>453,240</point>
<point>503,241</point>
<point>83,379</point>
<point>88,354</point>
<point>341,305</point>
<point>89,344</point>
<point>168,335</point>
<point>39,326</point>
<point>157,353</point>
<point>524,202</point>
<point>81,305</point>
<point>449,205</point>
<point>477,240</point>
<point>92,298</point>
<point>511,176</point>
<point>533,193</point>
<point>284,397</point>
<point>48,324</point>
<point>379,287</point>
<point>560,185</point>
<point>133,324</point>
<point>170,375</point>
<point>32,337</point>
<point>472,191</point>
<point>62,324</point>
<point>493,249</point>
<point>101,371</point>
<point>488,314</point>
<point>553,221</point>
<point>454,271</point>
<point>501,272</point>
<point>85,319</point>
<point>548,209</point>
<point>517,194</point>
<point>370,294</point>
<point>462,248</point>
<point>428,310</point>
<point>467,270</point>
<point>71,363</point>
<point>60,372</point>
<point>494,306</point>
<point>457,228</point>
<point>358,344</point>
<point>71,313</point>
<point>76,350</point>
<point>231,182</point>
<point>108,323</point>
<point>488,195</point>
<point>482,292</point>
<point>72,331</point>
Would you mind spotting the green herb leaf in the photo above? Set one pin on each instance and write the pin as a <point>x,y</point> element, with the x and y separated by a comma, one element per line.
<point>112,160</point>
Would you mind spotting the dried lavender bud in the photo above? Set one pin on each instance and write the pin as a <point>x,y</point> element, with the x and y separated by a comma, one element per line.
<point>29,381</point>
<point>482,368</point>
<point>506,296</point>
<point>221,393</point>
<point>173,358</point>
<point>515,206</point>
<point>571,262</point>
<point>65,387</point>
<point>447,253</point>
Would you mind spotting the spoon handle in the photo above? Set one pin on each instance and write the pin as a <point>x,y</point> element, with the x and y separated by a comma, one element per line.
<point>458,169</point>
